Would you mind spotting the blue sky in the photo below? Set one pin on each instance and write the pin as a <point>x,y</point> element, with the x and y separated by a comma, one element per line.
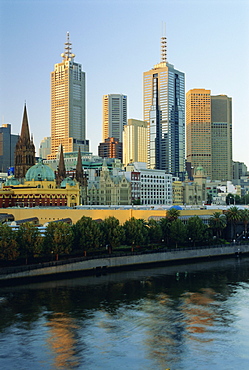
<point>116,41</point>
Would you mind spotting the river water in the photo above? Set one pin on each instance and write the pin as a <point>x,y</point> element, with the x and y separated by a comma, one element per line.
<point>187,317</point>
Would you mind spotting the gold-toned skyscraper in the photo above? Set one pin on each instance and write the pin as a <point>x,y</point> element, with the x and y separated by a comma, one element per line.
<point>135,142</point>
<point>198,129</point>
<point>209,133</point>
<point>68,105</point>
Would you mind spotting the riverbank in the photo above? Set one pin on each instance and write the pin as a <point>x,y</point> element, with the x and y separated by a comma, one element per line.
<point>109,263</point>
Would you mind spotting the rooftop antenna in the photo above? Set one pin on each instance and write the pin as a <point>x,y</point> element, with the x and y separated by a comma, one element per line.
<point>68,49</point>
<point>163,44</point>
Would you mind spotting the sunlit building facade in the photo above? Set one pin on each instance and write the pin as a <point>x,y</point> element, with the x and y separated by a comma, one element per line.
<point>164,111</point>
<point>209,133</point>
<point>114,116</point>
<point>135,142</point>
<point>68,105</point>
<point>198,129</point>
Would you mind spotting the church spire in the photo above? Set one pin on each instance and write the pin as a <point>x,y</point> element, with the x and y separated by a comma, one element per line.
<point>61,172</point>
<point>24,150</point>
<point>25,135</point>
<point>79,170</point>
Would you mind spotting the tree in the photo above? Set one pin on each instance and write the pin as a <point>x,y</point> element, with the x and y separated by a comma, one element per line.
<point>197,231</point>
<point>165,227</point>
<point>233,217</point>
<point>87,233</point>
<point>230,199</point>
<point>154,231</point>
<point>177,232</point>
<point>8,244</point>
<point>217,222</point>
<point>112,233</point>
<point>244,217</point>
<point>29,240</point>
<point>173,214</point>
<point>135,232</point>
<point>58,238</point>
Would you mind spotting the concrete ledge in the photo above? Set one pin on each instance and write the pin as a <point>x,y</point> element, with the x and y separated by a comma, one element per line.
<point>112,262</point>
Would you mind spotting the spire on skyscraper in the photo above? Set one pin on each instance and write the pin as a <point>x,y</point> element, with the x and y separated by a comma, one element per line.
<point>67,55</point>
<point>164,46</point>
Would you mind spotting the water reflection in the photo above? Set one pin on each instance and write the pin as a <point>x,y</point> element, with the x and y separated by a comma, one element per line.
<point>62,340</point>
<point>178,317</point>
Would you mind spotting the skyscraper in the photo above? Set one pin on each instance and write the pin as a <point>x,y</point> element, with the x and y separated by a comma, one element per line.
<point>221,127</point>
<point>135,142</point>
<point>198,127</point>
<point>7,147</point>
<point>164,111</point>
<point>68,105</point>
<point>209,133</point>
<point>114,116</point>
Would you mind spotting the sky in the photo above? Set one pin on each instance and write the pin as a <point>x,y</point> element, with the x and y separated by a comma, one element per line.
<point>116,41</point>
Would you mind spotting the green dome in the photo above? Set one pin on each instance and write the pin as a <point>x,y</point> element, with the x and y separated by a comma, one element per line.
<point>40,172</point>
<point>66,181</point>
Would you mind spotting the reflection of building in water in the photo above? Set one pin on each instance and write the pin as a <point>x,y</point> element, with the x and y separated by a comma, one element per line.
<point>199,312</point>
<point>62,342</point>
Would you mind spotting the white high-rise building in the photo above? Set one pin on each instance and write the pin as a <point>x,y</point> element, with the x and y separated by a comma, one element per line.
<point>114,116</point>
<point>68,105</point>
<point>135,142</point>
<point>164,110</point>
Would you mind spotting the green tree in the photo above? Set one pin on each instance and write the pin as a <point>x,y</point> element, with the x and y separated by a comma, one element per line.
<point>177,232</point>
<point>173,214</point>
<point>197,231</point>
<point>154,231</point>
<point>8,244</point>
<point>230,199</point>
<point>244,217</point>
<point>29,240</point>
<point>135,232</point>
<point>217,222</point>
<point>58,238</point>
<point>165,227</point>
<point>87,234</point>
<point>233,217</point>
<point>112,232</point>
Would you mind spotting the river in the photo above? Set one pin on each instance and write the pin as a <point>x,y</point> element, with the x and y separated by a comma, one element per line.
<point>185,317</point>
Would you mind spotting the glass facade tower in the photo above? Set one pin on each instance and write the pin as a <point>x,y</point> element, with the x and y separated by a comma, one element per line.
<point>164,111</point>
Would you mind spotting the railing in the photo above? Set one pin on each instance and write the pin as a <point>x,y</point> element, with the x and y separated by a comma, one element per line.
<point>24,268</point>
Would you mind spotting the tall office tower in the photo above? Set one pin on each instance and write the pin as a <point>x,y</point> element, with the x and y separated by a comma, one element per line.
<point>164,110</point>
<point>135,142</point>
<point>7,147</point>
<point>221,126</point>
<point>114,116</point>
<point>198,129</point>
<point>68,105</point>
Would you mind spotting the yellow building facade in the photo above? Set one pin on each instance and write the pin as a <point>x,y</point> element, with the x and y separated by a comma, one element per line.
<point>135,142</point>
<point>67,105</point>
<point>198,129</point>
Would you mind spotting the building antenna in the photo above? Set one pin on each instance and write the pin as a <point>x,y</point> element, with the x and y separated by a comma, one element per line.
<point>163,44</point>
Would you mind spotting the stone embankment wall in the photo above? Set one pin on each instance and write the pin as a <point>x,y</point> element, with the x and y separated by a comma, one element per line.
<point>93,265</point>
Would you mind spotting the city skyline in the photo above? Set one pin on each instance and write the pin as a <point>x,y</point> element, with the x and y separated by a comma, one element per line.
<point>115,46</point>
